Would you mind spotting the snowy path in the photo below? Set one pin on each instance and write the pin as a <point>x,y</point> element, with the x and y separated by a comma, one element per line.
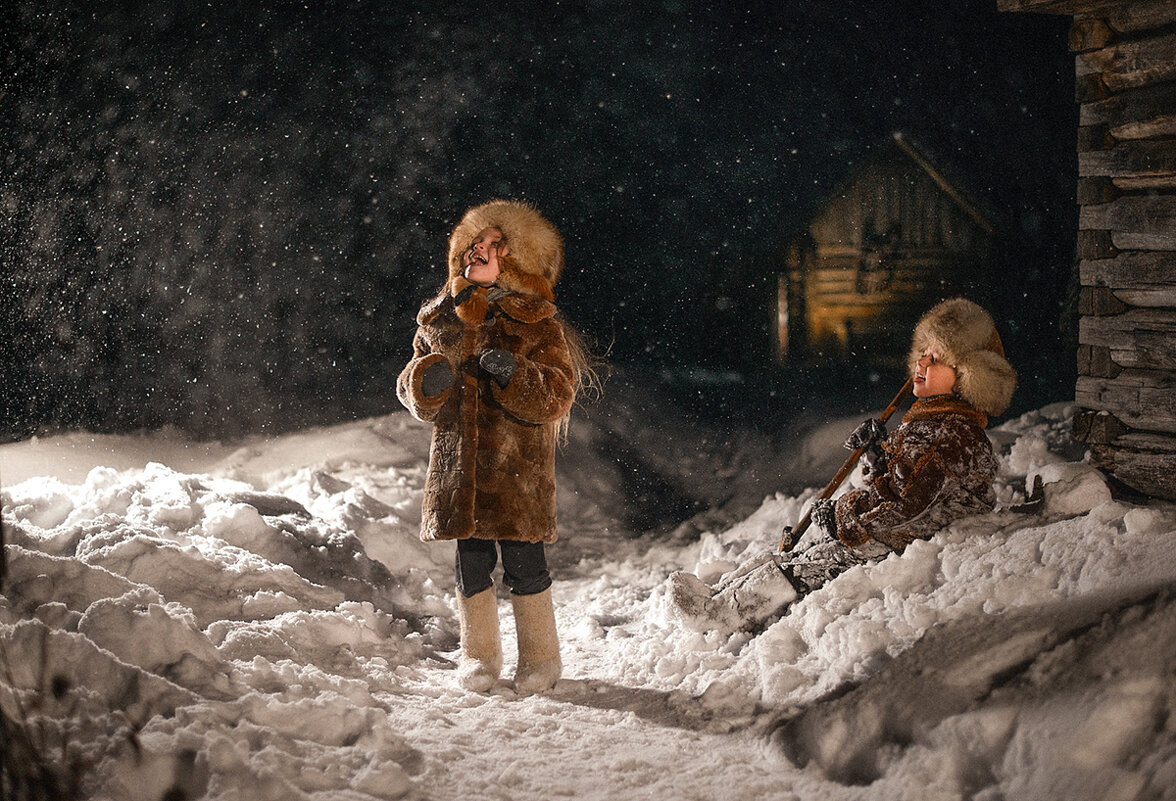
<point>591,738</point>
<point>603,733</point>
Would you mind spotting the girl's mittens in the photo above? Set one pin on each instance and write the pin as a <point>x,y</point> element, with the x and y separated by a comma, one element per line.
<point>410,383</point>
<point>436,379</point>
<point>500,364</point>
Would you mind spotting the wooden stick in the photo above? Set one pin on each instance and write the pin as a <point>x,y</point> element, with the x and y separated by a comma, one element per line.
<point>790,536</point>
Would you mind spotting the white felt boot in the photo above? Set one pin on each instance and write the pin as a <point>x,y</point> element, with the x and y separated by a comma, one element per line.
<point>539,665</point>
<point>481,644</point>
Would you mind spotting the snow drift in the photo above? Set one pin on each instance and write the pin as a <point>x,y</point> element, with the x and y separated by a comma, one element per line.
<point>261,621</point>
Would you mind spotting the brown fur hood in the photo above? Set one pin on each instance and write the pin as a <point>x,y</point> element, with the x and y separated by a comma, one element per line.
<point>967,339</point>
<point>536,257</point>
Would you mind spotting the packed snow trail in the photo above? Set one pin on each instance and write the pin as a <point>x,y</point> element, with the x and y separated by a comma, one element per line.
<point>261,621</point>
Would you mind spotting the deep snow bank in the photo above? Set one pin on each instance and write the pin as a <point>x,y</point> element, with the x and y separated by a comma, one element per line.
<point>972,660</point>
<point>264,622</point>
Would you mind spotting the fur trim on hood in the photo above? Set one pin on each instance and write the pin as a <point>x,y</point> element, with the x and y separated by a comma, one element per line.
<point>536,256</point>
<point>966,337</point>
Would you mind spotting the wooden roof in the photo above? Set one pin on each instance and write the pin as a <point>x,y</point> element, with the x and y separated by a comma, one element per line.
<point>904,145</point>
<point>969,208</point>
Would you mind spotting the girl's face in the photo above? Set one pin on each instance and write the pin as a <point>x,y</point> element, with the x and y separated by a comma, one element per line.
<point>933,377</point>
<point>481,260</point>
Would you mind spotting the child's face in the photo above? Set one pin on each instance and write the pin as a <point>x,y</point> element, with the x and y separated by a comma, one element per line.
<point>933,377</point>
<point>481,259</point>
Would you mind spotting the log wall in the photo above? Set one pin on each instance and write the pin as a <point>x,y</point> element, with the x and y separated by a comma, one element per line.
<point>1126,245</point>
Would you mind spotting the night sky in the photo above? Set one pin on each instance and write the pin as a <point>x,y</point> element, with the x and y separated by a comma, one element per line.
<point>223,216</point>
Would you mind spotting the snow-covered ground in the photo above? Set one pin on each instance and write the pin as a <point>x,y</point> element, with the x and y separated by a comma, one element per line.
<point>259,621</point>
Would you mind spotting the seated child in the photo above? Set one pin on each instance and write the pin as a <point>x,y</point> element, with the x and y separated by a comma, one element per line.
<point>936,467</point>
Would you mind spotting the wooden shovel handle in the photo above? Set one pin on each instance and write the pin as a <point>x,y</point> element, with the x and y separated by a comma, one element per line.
<point>791,536</point>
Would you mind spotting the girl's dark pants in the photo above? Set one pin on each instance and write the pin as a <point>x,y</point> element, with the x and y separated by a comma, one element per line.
<point>524,566</point>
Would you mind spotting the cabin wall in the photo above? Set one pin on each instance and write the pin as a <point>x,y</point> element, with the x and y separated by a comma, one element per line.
<point>1126,88</point>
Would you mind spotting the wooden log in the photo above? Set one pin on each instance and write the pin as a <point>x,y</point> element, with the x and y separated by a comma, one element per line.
<point>1089,87</point>
<point>1134,114</point>
<point>1095,137</point>
<point>1151,473</point>
<point>1096,245</point>
<point>1083,71</point>
<point>1163,125</point>
<point>1136,222</point>
<point>1141,338</point>
<point>1127,240</point>
<point>1099,301</point>
<point>1095,361</point>
<point>1137,159</point>
<point>1147,271</point>
<point>1075,7</point>
<point>1120,16</point>
<point>1145,441</point>
<point>1164,297</point>
<point>1101,363</point>
<point>1126,65</point>
<point>1084,360</point>
<point>1097,428</point>
<point>1142,408</point>
<point>1140,15</point>
<point>1090,34</point>
<point>1120,394</point>
<point>857,304</point>
<point>1112,331</point>
<point>1138,278</point>
<point>1096,191</point>
<point>1133,381</point>
<point>1040,6</point>
<point>1157,183</point>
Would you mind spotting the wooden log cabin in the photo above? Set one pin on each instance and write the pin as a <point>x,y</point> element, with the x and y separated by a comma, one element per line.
<point>1126,240</point>
<point>892,239</point>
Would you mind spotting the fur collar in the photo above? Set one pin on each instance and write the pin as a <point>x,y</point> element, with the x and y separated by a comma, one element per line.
<point>476,301</point>
<point>939,406</point>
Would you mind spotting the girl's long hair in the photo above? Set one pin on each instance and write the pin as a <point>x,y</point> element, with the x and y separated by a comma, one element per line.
<point>589,370</point>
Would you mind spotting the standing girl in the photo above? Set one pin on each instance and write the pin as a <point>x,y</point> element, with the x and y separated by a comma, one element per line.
<point>496,371</point>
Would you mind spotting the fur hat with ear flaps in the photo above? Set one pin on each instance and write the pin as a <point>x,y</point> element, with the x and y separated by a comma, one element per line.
<point>535,249</point>
<point>966,338</point>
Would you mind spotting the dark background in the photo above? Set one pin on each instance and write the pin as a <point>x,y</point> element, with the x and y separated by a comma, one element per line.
<point>223,216</point>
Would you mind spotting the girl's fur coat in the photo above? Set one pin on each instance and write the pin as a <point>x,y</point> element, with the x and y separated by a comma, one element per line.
<point>492,460</point>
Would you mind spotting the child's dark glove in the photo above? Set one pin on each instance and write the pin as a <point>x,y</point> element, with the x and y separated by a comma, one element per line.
<point>873,460</point>
<point>500,364</point>
<point>867,434</point>
<point>824,517</point>
<point>436,379</point>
